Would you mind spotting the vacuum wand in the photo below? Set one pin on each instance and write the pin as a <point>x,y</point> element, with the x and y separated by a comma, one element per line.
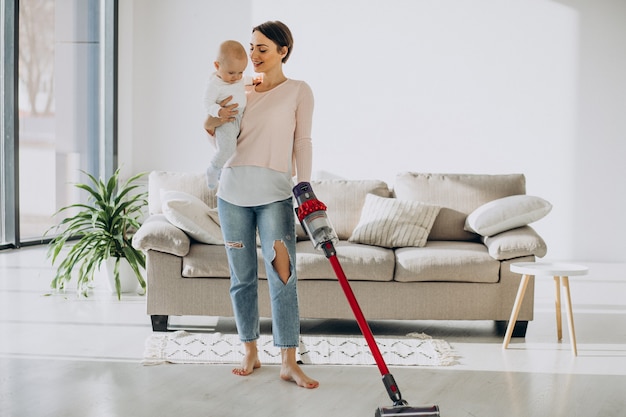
<point>312,216</point>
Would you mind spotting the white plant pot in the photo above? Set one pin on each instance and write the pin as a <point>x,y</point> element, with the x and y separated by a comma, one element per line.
<point>128,280</point>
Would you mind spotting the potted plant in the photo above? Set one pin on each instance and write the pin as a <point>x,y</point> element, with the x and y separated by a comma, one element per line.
<point>103,227</point>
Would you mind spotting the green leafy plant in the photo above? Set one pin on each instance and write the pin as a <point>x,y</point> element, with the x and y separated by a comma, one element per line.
<point>104,228</point>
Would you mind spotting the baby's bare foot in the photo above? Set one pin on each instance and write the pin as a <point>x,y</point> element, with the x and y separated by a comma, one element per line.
<point>293,373</point>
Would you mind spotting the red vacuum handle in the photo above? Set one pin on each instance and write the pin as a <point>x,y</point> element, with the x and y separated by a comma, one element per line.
<point>388,380</point>
<point>312,214</point>
<point>360,318</point>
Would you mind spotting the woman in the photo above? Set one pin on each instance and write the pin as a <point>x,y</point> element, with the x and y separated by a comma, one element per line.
<point>255,193</point>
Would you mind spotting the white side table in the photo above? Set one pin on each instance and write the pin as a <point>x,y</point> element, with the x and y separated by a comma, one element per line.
<point>561,273</point>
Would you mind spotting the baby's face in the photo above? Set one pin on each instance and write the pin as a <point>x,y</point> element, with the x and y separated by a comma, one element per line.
<point>231,70</point>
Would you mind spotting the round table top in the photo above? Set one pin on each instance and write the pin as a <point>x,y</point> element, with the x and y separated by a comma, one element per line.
<point>549,268</point>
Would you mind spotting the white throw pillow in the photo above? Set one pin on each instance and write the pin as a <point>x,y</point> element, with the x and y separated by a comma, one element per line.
<point>393,223</point>
<point>506,213</point>
<point>193,216</point>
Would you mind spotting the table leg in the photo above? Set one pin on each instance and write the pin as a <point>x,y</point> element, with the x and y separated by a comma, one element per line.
<point>557,305</point>
<point>570,315</point>
<point>516,308</point>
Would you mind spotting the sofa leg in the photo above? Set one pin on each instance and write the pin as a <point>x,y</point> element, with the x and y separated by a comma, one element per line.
<point>159,323</point>
<point>519,330</point>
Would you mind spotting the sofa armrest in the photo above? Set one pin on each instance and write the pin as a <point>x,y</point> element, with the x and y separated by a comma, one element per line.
<point>515,243</point>
<point>156,233</point>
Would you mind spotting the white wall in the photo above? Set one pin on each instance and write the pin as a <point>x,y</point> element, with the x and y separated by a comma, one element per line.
<point>487,86</point>
<point>166,52</point>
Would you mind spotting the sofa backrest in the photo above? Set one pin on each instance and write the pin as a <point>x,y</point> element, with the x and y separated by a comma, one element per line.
<point>457,195</point>
<point>190,183</point>
<point>344,198</point>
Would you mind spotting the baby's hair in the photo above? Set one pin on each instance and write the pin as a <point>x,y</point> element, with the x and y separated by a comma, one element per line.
<point>279,33</point>
<point>231,50</point>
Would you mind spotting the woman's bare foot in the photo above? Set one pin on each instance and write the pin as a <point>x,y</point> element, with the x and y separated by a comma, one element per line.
<point>291,371</point>
<point>250,360</point>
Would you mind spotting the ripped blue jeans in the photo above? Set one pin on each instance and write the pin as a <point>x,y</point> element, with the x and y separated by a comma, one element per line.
<point>275,223</point>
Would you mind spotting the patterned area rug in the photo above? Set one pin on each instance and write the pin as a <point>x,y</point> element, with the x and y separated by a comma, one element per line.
<point>416,349</point>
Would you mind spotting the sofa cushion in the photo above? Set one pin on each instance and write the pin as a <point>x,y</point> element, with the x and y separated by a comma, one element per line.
<point>344,199</point>
<point>206,261</point>
<point>211,261</point>
<point>359,262</point>
<point>506,213</point>
<point>393,223</point>
<point>191,183</point>
<point>457,195</point>
<point>447,261</point>
<point>192,216</point>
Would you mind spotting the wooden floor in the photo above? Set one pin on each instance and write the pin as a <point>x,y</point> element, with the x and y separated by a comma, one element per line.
<point>71,357</point>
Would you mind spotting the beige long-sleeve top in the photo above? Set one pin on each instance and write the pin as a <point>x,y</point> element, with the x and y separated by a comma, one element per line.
<point>275,138</point>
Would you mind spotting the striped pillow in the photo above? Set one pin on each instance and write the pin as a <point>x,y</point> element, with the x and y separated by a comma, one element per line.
<point>394,223</point>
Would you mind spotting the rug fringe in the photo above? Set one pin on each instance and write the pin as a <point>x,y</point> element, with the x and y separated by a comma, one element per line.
<point>154,347</point>
<point>417,335</point>
<point>448,356</point>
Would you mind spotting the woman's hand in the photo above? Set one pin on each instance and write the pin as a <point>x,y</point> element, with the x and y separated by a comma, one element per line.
<point>227,114</point>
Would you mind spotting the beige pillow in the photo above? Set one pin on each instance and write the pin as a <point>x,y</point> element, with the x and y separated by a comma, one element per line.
<point>156,233</point>
<point>193,216</point>
<point>506,213</point>
<point>394,223</point>
<point>515,243</point>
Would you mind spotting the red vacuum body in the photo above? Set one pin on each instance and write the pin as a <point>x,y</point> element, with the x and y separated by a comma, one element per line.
<point>312,215</point>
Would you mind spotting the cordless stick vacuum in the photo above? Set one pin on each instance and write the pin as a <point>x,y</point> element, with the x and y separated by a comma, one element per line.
<point>312,215</point>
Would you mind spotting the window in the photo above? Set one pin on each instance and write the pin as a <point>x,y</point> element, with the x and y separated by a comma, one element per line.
<point>64,77</point>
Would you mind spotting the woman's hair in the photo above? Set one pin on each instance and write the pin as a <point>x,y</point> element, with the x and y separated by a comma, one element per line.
<point>279,33</point>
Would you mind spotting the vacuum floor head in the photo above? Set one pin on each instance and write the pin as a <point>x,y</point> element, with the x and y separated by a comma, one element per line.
<point>407,410</point>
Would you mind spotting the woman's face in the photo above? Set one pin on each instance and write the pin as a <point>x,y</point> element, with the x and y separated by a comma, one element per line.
<point>264,53</point>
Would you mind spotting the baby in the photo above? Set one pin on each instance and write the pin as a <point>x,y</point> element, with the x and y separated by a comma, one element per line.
<point>226,81</point>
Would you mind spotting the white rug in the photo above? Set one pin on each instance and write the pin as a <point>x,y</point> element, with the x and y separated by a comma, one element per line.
<point>416,349</point>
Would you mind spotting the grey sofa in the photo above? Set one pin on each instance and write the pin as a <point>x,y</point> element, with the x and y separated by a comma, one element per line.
<point>457,275</point>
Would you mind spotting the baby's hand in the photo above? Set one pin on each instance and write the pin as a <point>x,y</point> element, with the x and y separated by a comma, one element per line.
<point>257,80</point>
